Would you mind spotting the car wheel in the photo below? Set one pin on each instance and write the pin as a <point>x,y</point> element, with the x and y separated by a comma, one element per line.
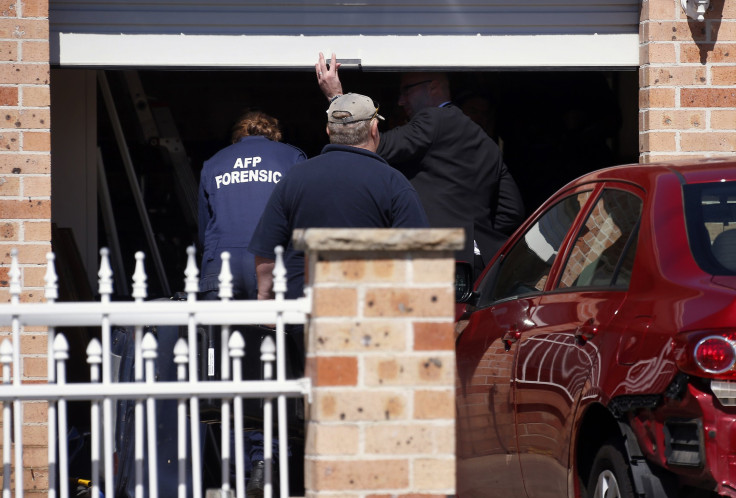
<point>610,477</point>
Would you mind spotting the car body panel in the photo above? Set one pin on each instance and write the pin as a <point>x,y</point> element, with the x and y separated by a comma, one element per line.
<point>578,349</point>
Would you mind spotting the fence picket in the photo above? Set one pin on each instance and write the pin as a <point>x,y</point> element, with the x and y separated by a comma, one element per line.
<point>188,388</point>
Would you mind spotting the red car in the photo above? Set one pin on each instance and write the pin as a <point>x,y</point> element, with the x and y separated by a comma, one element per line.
<point>596,354</point>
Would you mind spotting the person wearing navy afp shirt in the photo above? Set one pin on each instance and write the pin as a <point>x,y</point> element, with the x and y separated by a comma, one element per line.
<point>347,186</point>
<point>234,187</point>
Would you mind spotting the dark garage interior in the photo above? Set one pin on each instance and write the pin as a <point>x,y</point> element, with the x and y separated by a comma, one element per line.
<point>552,127</point>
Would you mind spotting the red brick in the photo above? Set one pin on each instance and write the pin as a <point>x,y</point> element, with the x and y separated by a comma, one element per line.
<point>709,141</point>
<point>26,208</point>
<point>24,163</point>
<point>727,9</point>
<point>657,141</point>
<point>708,53</point>
<point>8,96</point>
<point>657,53</point>
<point>37,230</point>
<point>675,31</point>
<point>9,140</point>
<point>25,118</point>
<point>723,119</point>
<point>659,10</point>
<point>8,51</point>
<point>24,29</point>
<point>673,119</point>
<point>674,76</point>
<point>431,404</point>
<point>708,97</point>
<point>351,475</point>
<point>34,74</point>
<point>333,370</point>
<point>657,98</point>
<point>330,301</point>
<point>433,336</point>
<point>37,141</point>
<point>28,254</point>
<point>723,31</point>
<point>37,186</point>
<point>7,8</point>
<point>9,186</point>
<point>8,230</point>
<point>419,302</point>
<point>33,276</point>
<point>35,51</point>
<point>723,75</point>
<point>35,8</point>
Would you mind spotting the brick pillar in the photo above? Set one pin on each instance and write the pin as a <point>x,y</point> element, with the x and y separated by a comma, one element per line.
<point>380,353</point>
<point>25,197</point>
<point>687,95</point>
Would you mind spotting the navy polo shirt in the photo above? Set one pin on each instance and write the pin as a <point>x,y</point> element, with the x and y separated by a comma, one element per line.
<point>343,187</point>
<point>235,185</point>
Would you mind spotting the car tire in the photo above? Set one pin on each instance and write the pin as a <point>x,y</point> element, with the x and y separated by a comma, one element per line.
<point>610,477</point>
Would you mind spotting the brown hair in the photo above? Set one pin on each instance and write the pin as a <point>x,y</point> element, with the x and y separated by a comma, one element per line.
<point>256,123</point>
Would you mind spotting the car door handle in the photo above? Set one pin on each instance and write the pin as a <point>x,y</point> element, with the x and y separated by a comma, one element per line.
<point>586,331</point>
<point>512,335</point>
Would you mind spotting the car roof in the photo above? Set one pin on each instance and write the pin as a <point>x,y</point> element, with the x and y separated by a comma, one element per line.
<point>701,170</point>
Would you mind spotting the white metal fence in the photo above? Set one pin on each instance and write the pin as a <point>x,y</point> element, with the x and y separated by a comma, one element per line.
<point>103,391</point>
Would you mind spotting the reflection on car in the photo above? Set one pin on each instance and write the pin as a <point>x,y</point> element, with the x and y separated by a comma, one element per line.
<point>596,354</point>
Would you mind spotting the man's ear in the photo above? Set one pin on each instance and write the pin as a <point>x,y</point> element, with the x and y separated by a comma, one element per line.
<point>375,134</point>
<point>327,129</point>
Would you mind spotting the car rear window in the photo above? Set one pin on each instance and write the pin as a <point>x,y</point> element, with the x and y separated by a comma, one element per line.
<point>710,212</point>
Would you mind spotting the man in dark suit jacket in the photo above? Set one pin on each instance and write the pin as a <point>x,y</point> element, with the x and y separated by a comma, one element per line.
<point>455,167</point>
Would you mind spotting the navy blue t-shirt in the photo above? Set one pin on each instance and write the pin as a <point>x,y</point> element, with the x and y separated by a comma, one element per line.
<point>234,187</point>
<point>343,187</point>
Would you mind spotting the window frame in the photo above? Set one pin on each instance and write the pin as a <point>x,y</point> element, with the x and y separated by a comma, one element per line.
<point>490,276</point>
<point>633,236</point>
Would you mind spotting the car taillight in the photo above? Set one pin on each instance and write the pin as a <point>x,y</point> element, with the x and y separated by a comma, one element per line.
<point>710,354</point>
<point>715,354</point>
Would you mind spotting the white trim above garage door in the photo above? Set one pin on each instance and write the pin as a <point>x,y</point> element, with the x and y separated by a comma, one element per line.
<point>388,52</point>
<point>379,34</point>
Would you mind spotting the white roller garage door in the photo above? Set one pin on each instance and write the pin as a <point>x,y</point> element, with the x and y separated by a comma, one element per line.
<point>378,34</point>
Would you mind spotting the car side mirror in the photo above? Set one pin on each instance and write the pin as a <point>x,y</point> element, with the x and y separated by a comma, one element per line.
<point>463,281</point>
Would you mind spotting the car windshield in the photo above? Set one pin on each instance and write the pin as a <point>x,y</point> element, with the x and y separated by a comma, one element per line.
<point>710,210</point>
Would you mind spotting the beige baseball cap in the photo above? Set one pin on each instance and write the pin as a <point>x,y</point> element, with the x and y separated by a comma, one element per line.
<point>358,108</point>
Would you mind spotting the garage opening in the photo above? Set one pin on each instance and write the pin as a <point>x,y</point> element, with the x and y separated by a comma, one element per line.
<point>551,125</point>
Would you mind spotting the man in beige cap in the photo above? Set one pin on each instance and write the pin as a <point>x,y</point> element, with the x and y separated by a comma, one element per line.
<point>347,185</point>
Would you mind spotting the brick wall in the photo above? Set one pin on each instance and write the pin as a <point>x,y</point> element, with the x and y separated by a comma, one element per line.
<point>687,94</point>
<point>25,196</point>
<point>380,354</point>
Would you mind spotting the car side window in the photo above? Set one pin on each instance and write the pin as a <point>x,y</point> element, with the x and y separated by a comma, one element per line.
<point>525,268</point>
<point>603,253</point>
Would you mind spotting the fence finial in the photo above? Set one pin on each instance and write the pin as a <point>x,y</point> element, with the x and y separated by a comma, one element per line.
<point>94,359</point>
<point>149,347</point>
<point>61,348</point>
<point>105,274</point>
<point>181,351</point>
<point>268,349</point>
<point>14,275</point>
<point>52,288</point>
<point>226,277</point>
<point>6,352</point>
<point>191,282</point>
<point>279,274</point>
<point>139,277</point>
<point>94,352</point>
<point>236,345</point>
